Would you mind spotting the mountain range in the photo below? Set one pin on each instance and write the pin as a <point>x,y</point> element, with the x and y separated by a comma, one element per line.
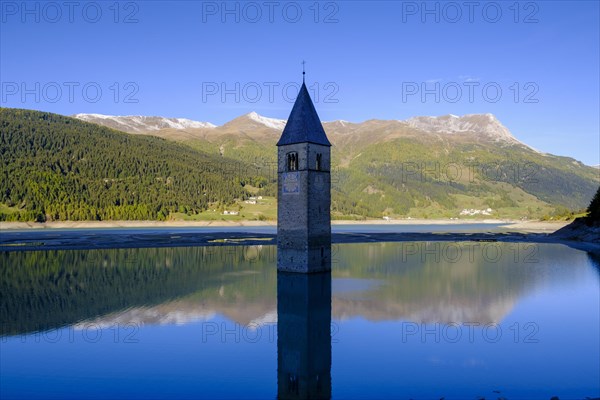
<point>137,124</point>
<point>421,166</point>
<point>94,166</point>
<point>483,125</point>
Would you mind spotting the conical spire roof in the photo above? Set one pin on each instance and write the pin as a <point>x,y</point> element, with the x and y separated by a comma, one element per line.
<point>303,124</point>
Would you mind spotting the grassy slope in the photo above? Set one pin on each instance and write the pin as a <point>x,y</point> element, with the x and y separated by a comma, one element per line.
<point>376,179</point>
<point>374,174</point>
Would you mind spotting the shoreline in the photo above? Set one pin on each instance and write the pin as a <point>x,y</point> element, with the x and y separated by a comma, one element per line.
<point>41,240</point>
<point>517,225</point>
<point>81,235</point>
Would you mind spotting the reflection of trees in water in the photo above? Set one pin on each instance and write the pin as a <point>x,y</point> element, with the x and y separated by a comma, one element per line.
<point>44,290</point>
<point>594,258</point>
<point>48,289</point>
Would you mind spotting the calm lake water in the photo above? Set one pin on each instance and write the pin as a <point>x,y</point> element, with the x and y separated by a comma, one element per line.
<point>393,320</point>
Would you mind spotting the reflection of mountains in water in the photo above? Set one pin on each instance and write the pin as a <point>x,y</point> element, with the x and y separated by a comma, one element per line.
<point>376,281</point>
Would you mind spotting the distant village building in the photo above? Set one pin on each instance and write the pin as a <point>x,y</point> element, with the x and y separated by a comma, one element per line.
<point>471,212</point>
<point>304,191</point>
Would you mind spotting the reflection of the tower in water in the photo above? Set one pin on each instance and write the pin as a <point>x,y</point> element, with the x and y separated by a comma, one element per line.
<point>303,335</point>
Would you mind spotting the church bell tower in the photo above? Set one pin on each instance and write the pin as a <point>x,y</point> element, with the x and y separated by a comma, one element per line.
<point>303,191</point>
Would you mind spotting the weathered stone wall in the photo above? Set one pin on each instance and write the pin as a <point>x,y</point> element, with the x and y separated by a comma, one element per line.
<point>303,213</point>
<point>319,195</point>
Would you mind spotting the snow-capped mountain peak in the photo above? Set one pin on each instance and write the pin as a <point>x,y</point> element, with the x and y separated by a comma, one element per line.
<point>278,124</point>
<point>138,123</point>
<point>486,124</point>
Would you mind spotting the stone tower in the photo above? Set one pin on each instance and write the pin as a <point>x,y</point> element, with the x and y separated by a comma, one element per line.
<point>303,191</point>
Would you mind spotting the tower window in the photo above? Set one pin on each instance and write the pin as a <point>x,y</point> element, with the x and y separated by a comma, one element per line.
<point>318,166</point>
<point>292,161</point>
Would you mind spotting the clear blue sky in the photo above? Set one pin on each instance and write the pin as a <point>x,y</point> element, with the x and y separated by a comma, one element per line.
<point>367,59</point>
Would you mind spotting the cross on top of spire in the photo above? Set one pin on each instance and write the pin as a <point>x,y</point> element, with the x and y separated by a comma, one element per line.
<point>303,124</point>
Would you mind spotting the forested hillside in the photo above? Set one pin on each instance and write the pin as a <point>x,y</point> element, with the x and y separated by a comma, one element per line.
<point>60,168</point>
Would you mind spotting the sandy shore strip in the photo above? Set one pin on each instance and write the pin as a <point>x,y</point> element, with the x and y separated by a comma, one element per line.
<point>128,224</point>
<point>139,234</point>
<point>40,240</point>
<point>516,226</point>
